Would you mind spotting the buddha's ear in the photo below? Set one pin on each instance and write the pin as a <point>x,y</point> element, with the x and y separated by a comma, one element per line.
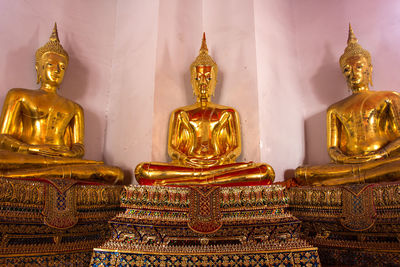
<point>370,74</point>
<point>192,79</point>
<point>213,83</point>
<point>37,73</point>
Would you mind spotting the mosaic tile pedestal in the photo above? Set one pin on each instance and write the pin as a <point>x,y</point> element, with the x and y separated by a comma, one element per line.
<point>206,226</point>
<point>54,222</point>
<point>352,224</point>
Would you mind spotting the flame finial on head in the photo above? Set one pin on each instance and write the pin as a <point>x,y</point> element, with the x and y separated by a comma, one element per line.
<point>54,34</point>
<point>53,46</point>
<point>353,49</point>
<point>204,59</point>
<point>203,47</point>
<point>351,39</point>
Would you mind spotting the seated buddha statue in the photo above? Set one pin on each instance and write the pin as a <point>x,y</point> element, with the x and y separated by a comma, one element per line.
<point>204,140</point>
<point>41,132</point>
<point>363,129</point>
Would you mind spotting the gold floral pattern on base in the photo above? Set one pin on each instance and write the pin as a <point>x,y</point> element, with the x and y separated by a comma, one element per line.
<point>30,216</point>
<point>155,229</point>
<point>351,224</point>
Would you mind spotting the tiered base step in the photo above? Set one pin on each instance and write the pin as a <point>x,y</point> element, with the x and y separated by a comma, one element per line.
<point>54,222</point>
<point>353,224</point>
<point>205,226</point>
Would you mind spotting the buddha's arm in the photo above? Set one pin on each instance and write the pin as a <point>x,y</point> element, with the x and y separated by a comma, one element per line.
<point>180,136</point>
<point>393,148</point>
<point>77,135</point>
<point>229,126</point>
<point>334,128</point>
<point>392,126</point>
<point>10,122</point>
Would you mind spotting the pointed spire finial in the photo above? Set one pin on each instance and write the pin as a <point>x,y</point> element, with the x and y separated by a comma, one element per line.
<point>352,39</point>
<point>204,59</point>
<point>54,34</point>
<point>203,47</point>
<point>53,45</point>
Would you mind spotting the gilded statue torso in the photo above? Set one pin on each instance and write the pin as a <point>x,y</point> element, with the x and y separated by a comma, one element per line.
<point>204,132</point>
<point>365,121</point>
<point>44,116</point>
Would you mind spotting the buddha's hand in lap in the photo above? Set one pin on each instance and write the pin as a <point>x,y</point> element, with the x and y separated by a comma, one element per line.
<point>339,157</point>
<point>56,150</point>
<point>201,163</point>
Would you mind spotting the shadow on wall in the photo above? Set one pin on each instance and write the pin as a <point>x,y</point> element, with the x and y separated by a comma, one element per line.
<point>315,139</point>
<point>328,84</point>
<point>329,87</point>
<point>76,77</point>
<point>94,131</point>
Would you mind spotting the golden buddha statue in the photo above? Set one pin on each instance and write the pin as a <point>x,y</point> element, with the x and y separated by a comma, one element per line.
<point>363,129</point>
<point>41,134</point>
<point>204,140</point>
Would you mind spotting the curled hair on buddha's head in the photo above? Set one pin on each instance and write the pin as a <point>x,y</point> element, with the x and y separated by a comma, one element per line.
<point>52,46</point>
<point>204,59</point>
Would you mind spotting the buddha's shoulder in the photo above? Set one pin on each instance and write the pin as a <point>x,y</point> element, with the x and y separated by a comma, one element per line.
<point>184,109</point>
<point>336,105</point>
<point>355,99</point>
<point>21,92</point>
<point>225,109</point>
<point>387,94</point>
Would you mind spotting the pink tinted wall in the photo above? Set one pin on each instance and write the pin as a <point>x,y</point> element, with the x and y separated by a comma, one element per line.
<point>131,95</point>
<point>321,33</point>
<point>279,94</point>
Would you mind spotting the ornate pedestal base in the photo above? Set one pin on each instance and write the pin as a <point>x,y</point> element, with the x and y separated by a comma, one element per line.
<point>353,224</point>
<point>205,226</point>
<point>53,222</point>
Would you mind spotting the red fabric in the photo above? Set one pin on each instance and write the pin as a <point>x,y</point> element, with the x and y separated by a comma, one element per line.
<point>251,183</point>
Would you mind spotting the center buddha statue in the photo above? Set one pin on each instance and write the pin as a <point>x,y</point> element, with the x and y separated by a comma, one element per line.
<point>41,132</point>
<point>204,140</point>
<point>363,129</point>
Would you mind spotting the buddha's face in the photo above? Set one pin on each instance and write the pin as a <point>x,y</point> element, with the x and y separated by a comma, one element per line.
<point>203,80</point>
<point>51,69</point>
<point>357,72</point>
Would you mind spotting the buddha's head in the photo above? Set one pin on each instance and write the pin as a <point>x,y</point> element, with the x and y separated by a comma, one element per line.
<point>51,61</point>
<point>203,73</point>
<point>355,64</point>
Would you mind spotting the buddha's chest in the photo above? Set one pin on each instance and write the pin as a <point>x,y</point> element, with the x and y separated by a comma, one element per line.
<point>205,122</point>
<point>51,113</point>
<point>367,115</point>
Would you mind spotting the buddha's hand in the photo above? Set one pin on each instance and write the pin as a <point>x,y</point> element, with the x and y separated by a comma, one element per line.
<point>56,150</point>
<point>199,162</point>
<point>379,154</point>
<point>339,157</point>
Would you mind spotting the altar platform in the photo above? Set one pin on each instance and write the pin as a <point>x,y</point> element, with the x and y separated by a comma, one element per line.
<point>54,222</point>
<point>205,225</point>
<point>351,225</point>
